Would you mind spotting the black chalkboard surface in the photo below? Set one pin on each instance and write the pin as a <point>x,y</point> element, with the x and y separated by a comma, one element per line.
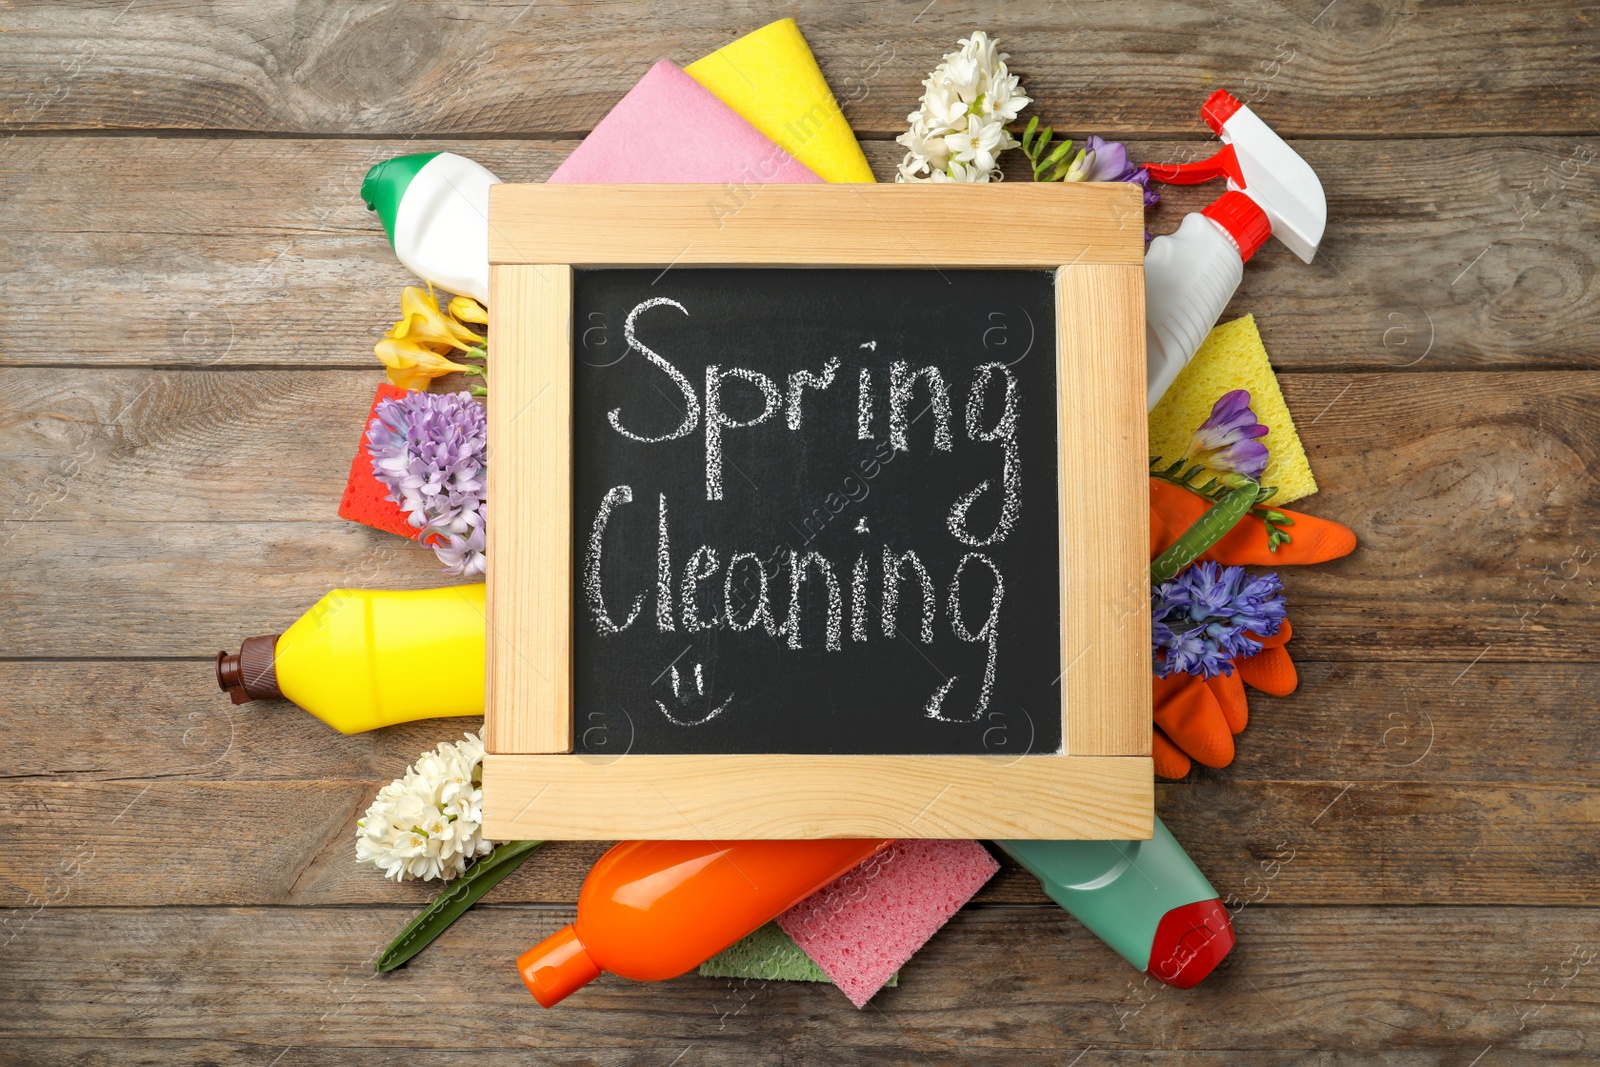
<point>754,451</point>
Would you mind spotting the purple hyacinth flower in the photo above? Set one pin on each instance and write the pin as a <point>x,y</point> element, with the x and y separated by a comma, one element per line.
<point>1209,615</point>
<point>1226,442</point>
<point>463,556</point>
<point>431,452</point>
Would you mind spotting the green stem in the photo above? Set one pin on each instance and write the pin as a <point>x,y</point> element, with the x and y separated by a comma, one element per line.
<point>1274,520</point>
<point>1207,530</point>
<point>448,906</point>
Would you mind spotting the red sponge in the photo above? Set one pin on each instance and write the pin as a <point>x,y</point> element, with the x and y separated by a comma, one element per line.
<point>366,500</point>
<point>861,928</point>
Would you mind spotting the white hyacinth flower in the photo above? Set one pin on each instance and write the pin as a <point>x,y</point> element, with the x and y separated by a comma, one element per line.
<point>977,145</point>
<point>429,823</point>
<point>958,131</point>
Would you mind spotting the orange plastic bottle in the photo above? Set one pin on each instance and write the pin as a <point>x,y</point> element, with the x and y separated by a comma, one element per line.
<point>653,909</point>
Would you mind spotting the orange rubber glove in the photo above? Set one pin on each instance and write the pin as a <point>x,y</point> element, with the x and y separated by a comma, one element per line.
<point>1196,718</point>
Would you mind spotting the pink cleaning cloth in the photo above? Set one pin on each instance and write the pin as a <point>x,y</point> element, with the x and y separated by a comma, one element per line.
<point>670,129</point>
<point>865,925</point>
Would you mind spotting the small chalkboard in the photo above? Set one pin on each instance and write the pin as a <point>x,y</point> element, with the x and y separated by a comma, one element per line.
<point>815,511</point>
<point>824,517</point>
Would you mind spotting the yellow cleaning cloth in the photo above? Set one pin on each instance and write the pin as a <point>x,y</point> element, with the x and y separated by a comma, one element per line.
<point>770,77</point>
<point>1233,357</point>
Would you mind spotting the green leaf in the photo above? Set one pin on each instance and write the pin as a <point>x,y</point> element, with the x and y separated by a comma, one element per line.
<point>1207,530</point>
<point>451,902</point>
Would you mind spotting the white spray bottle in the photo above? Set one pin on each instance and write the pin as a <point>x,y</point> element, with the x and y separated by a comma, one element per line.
<point>1190,275</point>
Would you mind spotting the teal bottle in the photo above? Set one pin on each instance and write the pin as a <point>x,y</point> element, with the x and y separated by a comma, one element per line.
<point>1146,899</point>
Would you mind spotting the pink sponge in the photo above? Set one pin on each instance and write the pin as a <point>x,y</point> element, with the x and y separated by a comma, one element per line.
<point>863,927</point>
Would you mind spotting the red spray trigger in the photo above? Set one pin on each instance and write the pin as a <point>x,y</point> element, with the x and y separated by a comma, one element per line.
<point>1225,164</point>
<point>1219,107</point>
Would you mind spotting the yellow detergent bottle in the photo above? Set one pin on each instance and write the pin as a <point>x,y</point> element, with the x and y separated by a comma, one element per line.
<point>365,658</point>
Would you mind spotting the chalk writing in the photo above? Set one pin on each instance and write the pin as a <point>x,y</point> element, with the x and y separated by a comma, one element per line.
<point>853,561</point>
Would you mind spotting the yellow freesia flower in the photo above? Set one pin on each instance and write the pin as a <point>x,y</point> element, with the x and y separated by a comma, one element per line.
<point>466,309</point>
<point>422,322</point>
<point>413,366</point>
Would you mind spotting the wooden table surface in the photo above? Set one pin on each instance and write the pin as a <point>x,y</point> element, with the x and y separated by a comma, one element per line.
<point>192,288</point>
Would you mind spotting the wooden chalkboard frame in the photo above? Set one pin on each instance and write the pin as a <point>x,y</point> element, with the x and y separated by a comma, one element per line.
<point>1100,786</point>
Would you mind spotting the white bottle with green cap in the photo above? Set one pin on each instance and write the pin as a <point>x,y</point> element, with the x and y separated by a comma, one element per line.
<point>435,209</point>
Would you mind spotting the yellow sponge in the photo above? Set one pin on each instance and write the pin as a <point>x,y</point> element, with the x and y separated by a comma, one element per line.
<point>1233,357</point>
<point>771,78</point>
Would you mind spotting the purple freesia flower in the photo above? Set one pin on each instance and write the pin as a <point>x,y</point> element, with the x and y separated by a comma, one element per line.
<point>1107,161</point>
<point>431,452</point>
<point>1226,442</point>
<point>1141,178</point>
<point>1205,617</point>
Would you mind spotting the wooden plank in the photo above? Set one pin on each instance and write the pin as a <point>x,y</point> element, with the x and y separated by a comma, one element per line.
<point>1104,507</point>
<point>842,225</point>
<point>788,796</point>
<point>530,573</point>
<point>46,1052</point>
<point>279,843</point>
<point>166,719</point>
<point>188,590</point>
<point>149,507</point>
<point>1301,978</point>
<point>1509,723</point>
<point>279,226</point>
<point>161,444</point>
<point>103,1052</point>
<point>1124,68</point>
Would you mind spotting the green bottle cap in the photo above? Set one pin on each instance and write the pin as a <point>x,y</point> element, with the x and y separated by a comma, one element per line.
<point>385,185</point>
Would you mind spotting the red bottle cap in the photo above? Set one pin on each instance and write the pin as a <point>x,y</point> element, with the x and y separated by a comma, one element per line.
<point>1190,941</point>
<point>557,967</point>
<point>1245,222</point>
<point>1219,107</point>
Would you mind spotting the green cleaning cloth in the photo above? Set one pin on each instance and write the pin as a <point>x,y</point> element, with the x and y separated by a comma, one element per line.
<point>768,953</point>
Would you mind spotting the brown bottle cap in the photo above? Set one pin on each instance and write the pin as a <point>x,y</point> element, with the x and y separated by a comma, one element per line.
<point>250,673</point>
